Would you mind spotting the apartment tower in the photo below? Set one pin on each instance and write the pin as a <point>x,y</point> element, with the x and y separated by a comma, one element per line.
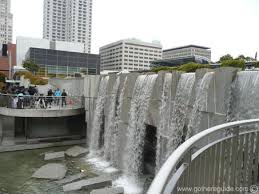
<point>68,20</point>
<point>6,22</point>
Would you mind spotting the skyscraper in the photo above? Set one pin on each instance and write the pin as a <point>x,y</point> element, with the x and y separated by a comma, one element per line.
<point>6,22</point>
<point>68,20</point>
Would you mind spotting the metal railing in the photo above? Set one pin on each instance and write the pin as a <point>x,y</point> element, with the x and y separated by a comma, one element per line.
<point>41,102</point>
<point>221,159</point>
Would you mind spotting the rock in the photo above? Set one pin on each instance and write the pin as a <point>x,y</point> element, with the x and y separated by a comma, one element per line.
<point>118,190</point>
<point>89,184</point>
<point>72,178</point>
<point>76,151</point>
<point>51,171</point>
<point>54,156</point>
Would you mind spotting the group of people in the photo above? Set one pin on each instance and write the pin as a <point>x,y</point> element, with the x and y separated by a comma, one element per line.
<point>21,97</point>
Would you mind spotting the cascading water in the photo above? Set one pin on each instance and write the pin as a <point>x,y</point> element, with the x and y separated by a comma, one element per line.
<point>136,130</point>
<point>115,137</point>
<point>245,96</point>
<point>200,104</point>
<point>165,113</point>
<point>110,128</point>
<point>97,123</point>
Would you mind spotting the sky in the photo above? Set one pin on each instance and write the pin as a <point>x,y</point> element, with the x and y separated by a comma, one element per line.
<point>226,26</point>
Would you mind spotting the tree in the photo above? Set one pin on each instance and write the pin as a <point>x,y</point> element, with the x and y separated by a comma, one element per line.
<point>225,58</point>
<point>30,66</point>
<point>238,63</point>
<point>242,57</point>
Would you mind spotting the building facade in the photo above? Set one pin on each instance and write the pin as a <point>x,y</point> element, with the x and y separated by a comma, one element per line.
<point>129,54</point>
<point>24,43</point>
<point>204,53</point>
<point>6,22</point>
<point>7,58</point>
<point>55,62</point>
<point>68,20</point>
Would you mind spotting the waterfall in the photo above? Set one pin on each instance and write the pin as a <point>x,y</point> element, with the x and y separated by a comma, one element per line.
<point>200,104</point>
<point>115,138</point>
<point>165,113</point>
<point>245,96</point>
<point>171,137</point>
<point>136,129</point>
<point>110,127</point>
<point>97,124</point>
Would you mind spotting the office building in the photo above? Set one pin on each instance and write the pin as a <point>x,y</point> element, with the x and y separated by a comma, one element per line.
<point>129,54</point>
<point>188,51</point>
<point>6,22</point>
<point>68,20</point>
<point>24,43</point>
<point>55,62</point>
<point>7,58</point>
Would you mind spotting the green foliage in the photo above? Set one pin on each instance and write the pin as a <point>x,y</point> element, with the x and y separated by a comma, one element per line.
<point>35,80</point>
<point>192,67</point>
<point>2,77</point>
<point>226,58</point>
<point>238,63</point>
<point>189,67</point>
<point>256,64</point>
<point>157,69</point>
<point>30,66</point>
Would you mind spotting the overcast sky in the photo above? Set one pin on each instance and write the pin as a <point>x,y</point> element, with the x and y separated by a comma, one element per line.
<point>227,26</point>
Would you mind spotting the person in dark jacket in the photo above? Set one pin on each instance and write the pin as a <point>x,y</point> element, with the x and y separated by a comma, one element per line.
<point>64,94</point>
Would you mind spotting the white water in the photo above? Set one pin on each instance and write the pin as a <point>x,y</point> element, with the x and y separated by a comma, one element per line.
<point>116,138</point>
<point>245,96</point>
<point>110,127</point>
<point>136,129</point>
<point>200,105</point>
<point>165,116</point>
<point>97,123</point>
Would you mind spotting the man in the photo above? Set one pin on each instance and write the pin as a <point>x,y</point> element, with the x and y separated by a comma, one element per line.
<point>64,94</point>
<point>57,95</point>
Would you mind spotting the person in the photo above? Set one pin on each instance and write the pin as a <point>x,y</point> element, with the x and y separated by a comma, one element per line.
<point>64,94</point>
<point>57,95</point>
<point>49,98</point>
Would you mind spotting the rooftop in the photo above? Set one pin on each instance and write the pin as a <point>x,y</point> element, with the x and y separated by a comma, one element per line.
<point>187,46</point>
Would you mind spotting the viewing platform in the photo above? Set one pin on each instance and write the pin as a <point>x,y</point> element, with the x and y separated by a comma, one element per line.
<point>40,106</point>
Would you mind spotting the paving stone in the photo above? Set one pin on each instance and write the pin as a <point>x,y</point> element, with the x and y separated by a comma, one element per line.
<point>89,184</point>
<point>52,171</point>
<point>76,151</point>
<point>54,155</point>
<point>72,178</point>
<point>117,190</point>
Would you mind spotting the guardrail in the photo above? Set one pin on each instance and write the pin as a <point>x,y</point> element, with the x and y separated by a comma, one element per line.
<point>221,159</point>
<point>41,102</point>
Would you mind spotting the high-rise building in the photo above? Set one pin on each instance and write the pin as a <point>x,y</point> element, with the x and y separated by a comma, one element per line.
<point>129,54</point>
<point>68,20</point>
<point>6,22</point>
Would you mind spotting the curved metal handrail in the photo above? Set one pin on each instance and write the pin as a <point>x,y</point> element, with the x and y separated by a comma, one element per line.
<point>162,178</point>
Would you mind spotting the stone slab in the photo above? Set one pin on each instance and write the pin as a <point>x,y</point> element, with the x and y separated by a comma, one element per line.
<point>52,171</point>
<point>72,178</point>
<point>54,155</point>
<point>89,184</point>
<point>118,190</point>
<point>76,151</point>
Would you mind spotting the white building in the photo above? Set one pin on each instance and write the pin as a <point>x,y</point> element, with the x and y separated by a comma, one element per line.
<point>6,22</point>
<point>24,43</point>
<point>129,54</point>
<point>68,20</point>
<point>188,51</point>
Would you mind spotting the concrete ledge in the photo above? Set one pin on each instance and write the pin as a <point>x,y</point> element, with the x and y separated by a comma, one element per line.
<point>20,147</point>
<point>118,190</point>
<point>40,112</point>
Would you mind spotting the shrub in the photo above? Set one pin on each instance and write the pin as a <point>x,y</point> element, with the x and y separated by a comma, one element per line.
<point>35,80</point>
<point>192,67</point>
<point>2,77</point>
<point>189,67</point>
<point>238,63</point>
